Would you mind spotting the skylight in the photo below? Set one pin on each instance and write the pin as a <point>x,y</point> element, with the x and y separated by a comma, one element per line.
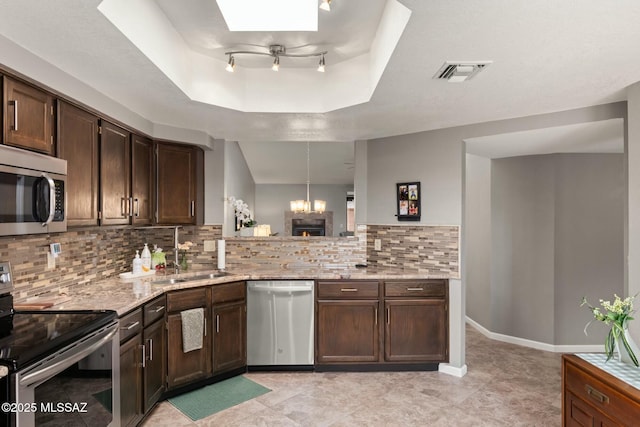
<point>273,15</point>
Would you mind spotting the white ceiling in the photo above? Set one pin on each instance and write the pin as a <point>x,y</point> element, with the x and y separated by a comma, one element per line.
<point>547,56</point>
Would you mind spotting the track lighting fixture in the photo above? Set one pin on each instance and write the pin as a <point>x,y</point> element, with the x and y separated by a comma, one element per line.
<point>275,51</point>
<point>231,64</point>
<point>321,65</point>
<point>326,5</point>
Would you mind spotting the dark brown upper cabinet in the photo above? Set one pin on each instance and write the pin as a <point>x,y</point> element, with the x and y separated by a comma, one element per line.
<point>115,174</point>
<point>180,186</point>
<point>142,180</point>
<point>28,117</point>
<point>78,145</point>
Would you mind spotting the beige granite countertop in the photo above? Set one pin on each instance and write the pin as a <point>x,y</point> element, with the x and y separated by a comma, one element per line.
<point>126,295</point>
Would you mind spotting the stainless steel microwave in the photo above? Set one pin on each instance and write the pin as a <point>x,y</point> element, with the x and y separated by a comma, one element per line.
<point>32,192</point>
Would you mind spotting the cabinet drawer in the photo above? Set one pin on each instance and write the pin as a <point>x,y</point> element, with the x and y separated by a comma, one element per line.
<point>154,310</point>
<point>130,325</point>
<point>600,395</point>
<point>236,291</point>
<point>184,300</point>
<point>419,288</point>
<point>348,289</point>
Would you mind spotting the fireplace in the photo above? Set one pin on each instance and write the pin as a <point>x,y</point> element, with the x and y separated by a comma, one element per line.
<point>308,224</point>
<point>308,227</point>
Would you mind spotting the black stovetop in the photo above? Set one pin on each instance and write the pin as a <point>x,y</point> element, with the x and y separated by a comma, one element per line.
<point>29,336</point>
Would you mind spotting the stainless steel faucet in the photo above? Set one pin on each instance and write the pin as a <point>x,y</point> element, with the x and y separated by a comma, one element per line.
<point>176,263</point>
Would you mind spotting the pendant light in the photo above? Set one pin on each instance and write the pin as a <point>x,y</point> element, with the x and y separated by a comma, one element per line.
<point>304,206</point>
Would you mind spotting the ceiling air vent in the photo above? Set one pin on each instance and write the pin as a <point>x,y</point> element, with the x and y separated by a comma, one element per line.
<point>459,71</point>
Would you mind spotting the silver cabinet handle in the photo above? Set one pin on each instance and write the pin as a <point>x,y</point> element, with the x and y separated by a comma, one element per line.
<point>193,208</point>
<point>15,114</point>
<point>123,206</point>
<point>376,316</point>
<point>217,323</point>
<point>415,289</point>
<point>150,342</point>
<point>349,290</point>
<point>388,316</point>
<point>144,355</point>
<point>130,206</point>
<point>130,326</point>
<point>158,309</point>
<point>205,326</point>
<point>137,207</point>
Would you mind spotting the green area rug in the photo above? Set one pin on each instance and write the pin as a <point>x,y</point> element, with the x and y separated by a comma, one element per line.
<point>214,398</point>
<point>105,398</point>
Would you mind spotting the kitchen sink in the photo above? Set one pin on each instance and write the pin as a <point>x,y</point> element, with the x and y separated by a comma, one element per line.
<point>168,281</point>
<point>189,279</point>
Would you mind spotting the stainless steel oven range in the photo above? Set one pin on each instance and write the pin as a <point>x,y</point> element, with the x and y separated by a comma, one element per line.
<point>48,382</point>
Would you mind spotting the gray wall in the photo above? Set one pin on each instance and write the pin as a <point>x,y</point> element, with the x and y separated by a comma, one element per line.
<point>214,184</point>
<point>522,208</point>
<point>272,200</point>
<point>433,158</point>
<point>589,240</point>
<point>478,237</point>
<point>238,183</point>
<point>557,234</point>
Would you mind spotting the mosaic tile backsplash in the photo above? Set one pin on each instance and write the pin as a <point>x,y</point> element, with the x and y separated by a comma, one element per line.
<point>96,253</point>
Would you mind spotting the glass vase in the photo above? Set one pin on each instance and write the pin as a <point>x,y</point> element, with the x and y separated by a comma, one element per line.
<point>183,261</point>
<point>629,353</point>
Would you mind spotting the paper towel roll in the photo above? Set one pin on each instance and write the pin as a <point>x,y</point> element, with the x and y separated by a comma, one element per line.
<point>221,254</point>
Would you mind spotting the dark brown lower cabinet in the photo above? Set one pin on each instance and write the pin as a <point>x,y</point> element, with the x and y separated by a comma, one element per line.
<point>415,330</point>
<point>184,368</point>
<point>356,319</point>
<point>347,331</point>
<point>131,381</point>
<point>229,336</point>
<point>154,365</point>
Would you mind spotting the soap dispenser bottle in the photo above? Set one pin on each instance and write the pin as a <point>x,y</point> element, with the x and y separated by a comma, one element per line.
<point>137,264</point>
<point>146,258</point>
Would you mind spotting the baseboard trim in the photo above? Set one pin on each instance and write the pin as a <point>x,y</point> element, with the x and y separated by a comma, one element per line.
<point>448,369</point>
<point>592,348</point>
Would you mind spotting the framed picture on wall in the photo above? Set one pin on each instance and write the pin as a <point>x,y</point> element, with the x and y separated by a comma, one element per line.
<point>408,201</point>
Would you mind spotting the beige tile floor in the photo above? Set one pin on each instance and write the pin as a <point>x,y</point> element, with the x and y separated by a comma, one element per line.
<point>506,385</point>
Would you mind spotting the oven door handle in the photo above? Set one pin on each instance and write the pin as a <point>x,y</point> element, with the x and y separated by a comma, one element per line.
<point>66,357</point>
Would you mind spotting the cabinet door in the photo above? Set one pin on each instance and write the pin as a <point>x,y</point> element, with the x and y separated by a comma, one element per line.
<point>78,145</point>
<point>347,331</point>
<point>142,182</point>
<point>229,336</point>
<point>115,174</point>
<point>176,184</point>
<point>578,413</point>
<point>415,331</point>
<point>155,364</point>
<point>183,368</point>
<point>28,117</point>
<point>131,381</point>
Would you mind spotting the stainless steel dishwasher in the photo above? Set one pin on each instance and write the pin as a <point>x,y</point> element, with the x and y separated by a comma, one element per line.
<point>280,324</point>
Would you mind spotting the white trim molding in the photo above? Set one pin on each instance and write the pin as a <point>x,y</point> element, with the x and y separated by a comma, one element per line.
<point>535,344</point>
<point>448,369</point>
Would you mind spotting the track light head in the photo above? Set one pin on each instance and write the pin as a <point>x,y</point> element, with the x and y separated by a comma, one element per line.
<point>276,63</point>
<point>326,5</point>
<point>231,65</point>
<point>321,65</point>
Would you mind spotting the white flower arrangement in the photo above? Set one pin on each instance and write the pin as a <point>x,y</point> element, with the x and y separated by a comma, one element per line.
<point>242,211</point>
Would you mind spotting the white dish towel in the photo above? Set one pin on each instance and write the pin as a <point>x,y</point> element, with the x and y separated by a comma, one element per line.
<point>192,329</point>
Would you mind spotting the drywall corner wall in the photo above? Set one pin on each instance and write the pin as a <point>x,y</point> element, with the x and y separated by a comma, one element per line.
<point>238,183</point>
<point>477,268</point>
<point>589,240</point>
<point>214,184</point>
<point>522,247</point>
